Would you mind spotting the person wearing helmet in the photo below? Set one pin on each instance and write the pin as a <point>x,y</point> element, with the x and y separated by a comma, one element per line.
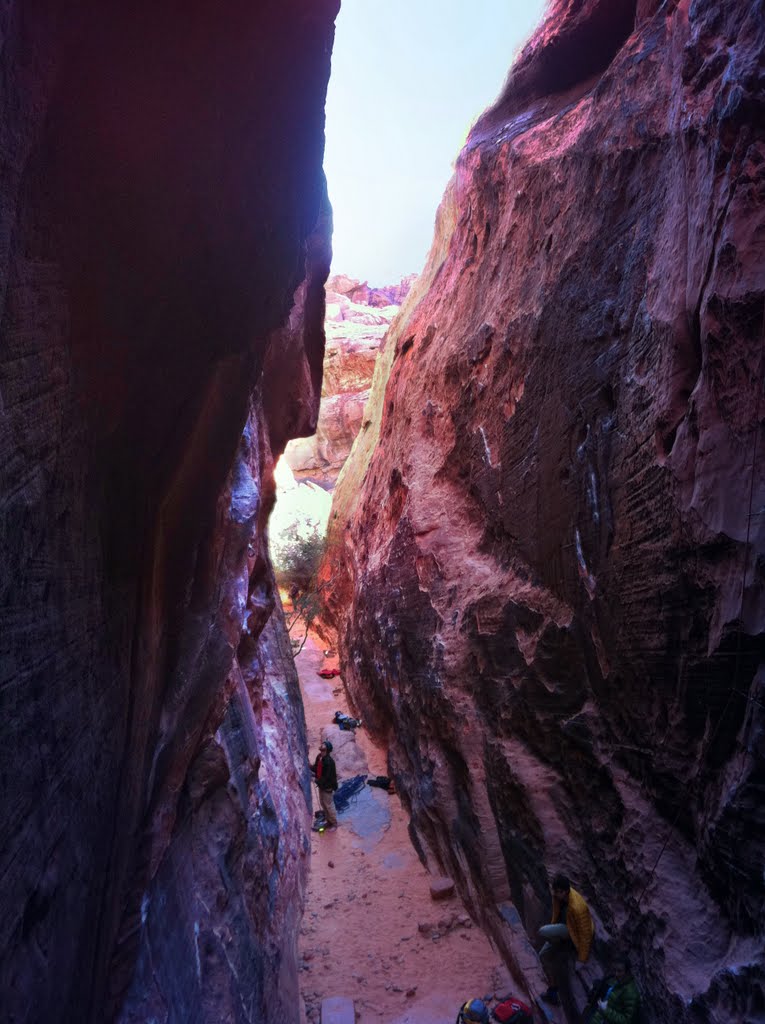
<point>325,776</point>
<point>475,1011</point>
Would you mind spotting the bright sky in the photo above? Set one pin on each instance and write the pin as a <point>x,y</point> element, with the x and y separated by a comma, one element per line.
<point>408,79</point>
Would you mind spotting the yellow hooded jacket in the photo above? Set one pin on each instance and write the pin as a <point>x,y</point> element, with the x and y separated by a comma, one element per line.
<point>578,922</point>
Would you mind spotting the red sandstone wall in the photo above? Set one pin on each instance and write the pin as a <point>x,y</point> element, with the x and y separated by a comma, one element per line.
<point>161,202</point>
<point>539,585</point>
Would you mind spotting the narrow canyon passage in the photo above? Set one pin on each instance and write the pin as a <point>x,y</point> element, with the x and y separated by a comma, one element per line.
<point>544,560</point>
<point>371,930</point>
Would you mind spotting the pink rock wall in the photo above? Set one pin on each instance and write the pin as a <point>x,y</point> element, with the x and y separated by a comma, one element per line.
<point>162,212</point>
<point>549,586</point>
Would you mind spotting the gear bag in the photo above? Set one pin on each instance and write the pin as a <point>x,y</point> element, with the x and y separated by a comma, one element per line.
<point>512,1011</point>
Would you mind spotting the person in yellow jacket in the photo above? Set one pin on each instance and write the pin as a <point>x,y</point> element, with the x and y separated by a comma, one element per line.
<point>571,929</point>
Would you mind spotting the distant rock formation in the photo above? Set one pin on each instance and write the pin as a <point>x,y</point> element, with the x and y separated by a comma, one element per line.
<point>548,546</point>
<point>357,320</point>
<point>360,293</point>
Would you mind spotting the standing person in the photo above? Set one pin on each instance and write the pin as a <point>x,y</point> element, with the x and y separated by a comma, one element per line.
<point>571,930</point>
<point>620,1000</point>
<point>325,775</point>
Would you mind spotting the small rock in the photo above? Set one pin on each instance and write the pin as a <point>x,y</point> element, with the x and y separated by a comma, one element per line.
<point>397,988</point>
<point>411,992</point>
<point>424,927</point>
<point>330,863</point>
<point>441,888</point>
<point>464,935</point>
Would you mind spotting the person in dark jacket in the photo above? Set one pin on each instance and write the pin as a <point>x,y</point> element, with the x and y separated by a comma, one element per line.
<point>620,1000</point>
<point>325,776</point>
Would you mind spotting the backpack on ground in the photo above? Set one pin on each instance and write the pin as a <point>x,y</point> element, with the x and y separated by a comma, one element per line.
<point>512,1011</point>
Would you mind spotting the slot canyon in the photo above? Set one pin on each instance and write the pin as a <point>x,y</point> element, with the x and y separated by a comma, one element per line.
<point>545,560</point>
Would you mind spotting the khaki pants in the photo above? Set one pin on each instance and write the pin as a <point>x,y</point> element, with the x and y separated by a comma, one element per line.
<point>327,801</point>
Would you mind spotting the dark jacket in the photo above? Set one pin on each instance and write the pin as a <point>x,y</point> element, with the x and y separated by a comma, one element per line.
<point>621,1006</point>
<point>326,779</point>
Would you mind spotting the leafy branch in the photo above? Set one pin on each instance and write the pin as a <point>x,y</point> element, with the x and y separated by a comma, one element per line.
<point>297,559</point>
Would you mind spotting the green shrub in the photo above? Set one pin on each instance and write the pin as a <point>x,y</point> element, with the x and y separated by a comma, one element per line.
<point>297,555</point>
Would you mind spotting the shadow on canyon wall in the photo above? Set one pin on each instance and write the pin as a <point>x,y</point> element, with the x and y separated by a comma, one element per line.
<point>164,240</point>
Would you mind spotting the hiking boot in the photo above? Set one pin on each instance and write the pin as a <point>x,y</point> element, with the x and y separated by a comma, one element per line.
<point>551,997</point>
<point>318,826</point>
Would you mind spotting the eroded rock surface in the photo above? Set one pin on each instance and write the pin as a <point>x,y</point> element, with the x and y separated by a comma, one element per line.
<point>548,545</point>
<point>357,320</point>
<point>163,250</point>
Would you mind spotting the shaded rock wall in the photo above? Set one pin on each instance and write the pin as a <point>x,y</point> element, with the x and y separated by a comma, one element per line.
<point>548,547</point>
<point>162,211</point>
<point>220,917</point>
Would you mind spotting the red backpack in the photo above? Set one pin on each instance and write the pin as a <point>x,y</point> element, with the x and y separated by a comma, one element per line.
<point>512,1011</point>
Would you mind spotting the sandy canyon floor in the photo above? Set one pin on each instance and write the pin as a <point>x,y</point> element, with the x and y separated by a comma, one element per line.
<point>371,930</point>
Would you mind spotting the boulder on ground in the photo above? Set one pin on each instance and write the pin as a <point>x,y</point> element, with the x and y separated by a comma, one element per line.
<point>441,888</point>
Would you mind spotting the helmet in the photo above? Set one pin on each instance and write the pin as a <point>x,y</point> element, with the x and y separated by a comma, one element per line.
<point>328,745</point>
<point>475,1010</point>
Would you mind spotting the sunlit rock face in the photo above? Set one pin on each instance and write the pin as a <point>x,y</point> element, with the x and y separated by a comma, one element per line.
<point>163,250</point>
<point>548,546</point>
<point>357,320</point>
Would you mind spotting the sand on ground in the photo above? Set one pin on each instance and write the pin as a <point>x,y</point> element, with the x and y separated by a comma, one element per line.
<point>371,931</point>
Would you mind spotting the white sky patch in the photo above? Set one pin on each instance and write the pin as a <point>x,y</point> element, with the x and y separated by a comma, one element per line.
<point>303,507</point>
<point>409,77</point>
